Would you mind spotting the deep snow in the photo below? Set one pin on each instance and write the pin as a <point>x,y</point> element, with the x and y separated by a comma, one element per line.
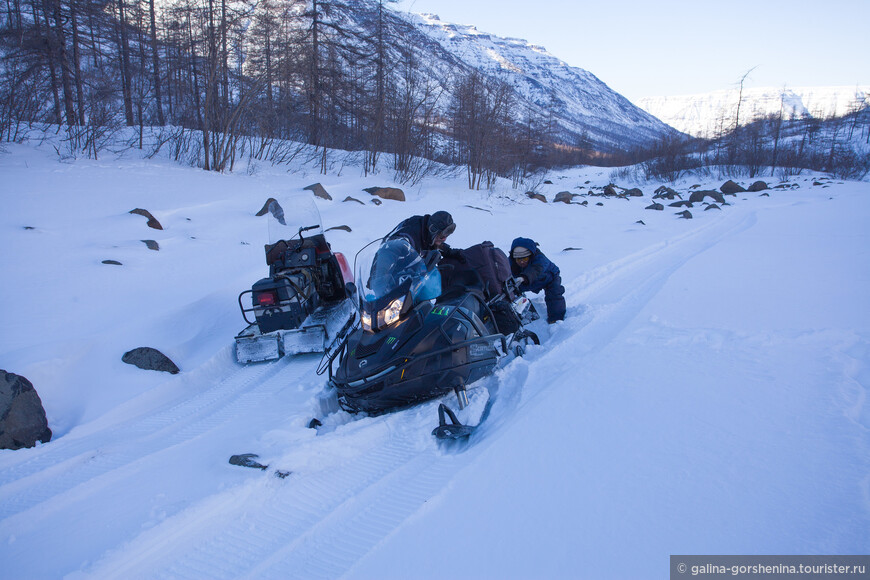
<point>706,394</point>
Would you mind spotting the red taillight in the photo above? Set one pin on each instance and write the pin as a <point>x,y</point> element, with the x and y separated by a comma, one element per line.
<point>266,299</point>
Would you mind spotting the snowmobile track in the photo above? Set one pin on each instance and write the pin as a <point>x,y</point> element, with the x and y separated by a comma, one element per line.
<point>72,460</point>
<point>375,473</point>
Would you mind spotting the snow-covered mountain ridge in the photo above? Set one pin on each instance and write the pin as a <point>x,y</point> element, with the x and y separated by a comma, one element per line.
<point>583,108</point>
<point>706,114</point>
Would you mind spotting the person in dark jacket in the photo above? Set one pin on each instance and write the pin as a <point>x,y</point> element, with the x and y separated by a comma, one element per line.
<point>536,272</point>
<point>426,232</point>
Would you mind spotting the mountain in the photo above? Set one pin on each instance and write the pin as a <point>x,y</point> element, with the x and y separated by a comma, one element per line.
<point>703,115</point>
<point>584,110</point>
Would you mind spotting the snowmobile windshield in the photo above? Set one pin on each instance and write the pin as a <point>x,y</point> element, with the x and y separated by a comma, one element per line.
<point>392,279</point>
<point>291,215</point>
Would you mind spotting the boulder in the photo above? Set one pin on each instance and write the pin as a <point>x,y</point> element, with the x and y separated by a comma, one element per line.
<point>680,204</point>
<point>712,206</point>
<point>656,206</point>
<point>349,198</point>
<point>150,359</point>
<point>22,416</point>
<point>152,245</point>
<point>112,262</point>
<point>265,208</point>
<point>686,215</point>
<point>342,228</point>
<point>610,189</point>
<point>319,191</point>
<point>757,186</point>
<point>634,192</point>
<point>393,193</point>
<point>538,196</point>
<point>698,196</point>
<point>731,188</point>
<point>152,221</point>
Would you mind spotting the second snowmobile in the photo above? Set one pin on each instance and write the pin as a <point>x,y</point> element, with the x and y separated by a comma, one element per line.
<point>306,299</point>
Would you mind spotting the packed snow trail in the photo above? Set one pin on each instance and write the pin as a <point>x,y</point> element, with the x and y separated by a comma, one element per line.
<point>353,487</point>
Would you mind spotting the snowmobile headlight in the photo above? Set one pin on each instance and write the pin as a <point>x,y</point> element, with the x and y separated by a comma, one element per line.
<point>366,321</point>
<point>392,312</point>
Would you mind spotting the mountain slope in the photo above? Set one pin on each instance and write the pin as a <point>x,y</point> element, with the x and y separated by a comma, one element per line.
<point>583,107</point>
<point>704,115</point>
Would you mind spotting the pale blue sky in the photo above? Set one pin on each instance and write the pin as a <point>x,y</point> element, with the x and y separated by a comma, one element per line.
<point>673,47</point>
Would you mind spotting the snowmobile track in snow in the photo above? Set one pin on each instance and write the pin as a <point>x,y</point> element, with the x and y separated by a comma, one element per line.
<point>376,473</point>
<point>72,460</point>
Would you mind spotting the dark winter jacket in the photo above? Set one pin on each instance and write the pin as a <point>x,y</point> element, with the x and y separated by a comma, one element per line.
<point>416,229</point>
<point>540,271</point>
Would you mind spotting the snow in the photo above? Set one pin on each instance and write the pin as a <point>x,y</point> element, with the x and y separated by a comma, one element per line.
<point>704,115</point>
<point>706,394</point>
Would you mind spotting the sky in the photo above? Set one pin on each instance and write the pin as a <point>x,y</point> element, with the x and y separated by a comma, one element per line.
<point>675,47</point>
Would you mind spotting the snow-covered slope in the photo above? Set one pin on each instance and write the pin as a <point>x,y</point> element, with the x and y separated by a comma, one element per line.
<point>581,106</point>
<point>705,115</point>
<point>706,394</point>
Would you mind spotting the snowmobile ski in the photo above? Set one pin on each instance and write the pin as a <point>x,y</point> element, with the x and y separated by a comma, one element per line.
<point>453,430</point>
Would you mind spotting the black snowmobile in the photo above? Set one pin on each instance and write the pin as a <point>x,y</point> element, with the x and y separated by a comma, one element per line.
<point>427,330</point>
<point>307,298</point>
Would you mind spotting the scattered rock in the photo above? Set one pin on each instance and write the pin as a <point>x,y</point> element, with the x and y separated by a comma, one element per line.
<point>758,186</point>
<point>548,182</point>
<point>152,245</point>
<point>696,186</point>
<point>712,206</point>
<point>599,203</point>
<point>29,228</point>
<point>247,460</point>
<point>319,191</point>
<point>687,215</point>
<point>150,359</point>
<point>349,198</point>
<point>666,193</point>
<point>342,228</point>
<point>698,196</point>
<point>656,206</point>
<point>479,209</point>
<point>113,262</point>
<point>641,222</point>
<point>376,201</point>
<point>571,249</point>
<point>265,209</point>
<point>152,221</point>
<point>634,192</point>
<point>538,196</point>
<point>610,189</point>
<point>22,416</point>
<point>584,202</point>
<point>393,193</point>
<point>764,195</point>
<point>680,204</point>
<point>731,187</point>
<point>564,197</point>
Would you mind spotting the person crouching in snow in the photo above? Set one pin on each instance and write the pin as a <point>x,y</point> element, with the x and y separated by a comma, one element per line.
<point>536,272</point>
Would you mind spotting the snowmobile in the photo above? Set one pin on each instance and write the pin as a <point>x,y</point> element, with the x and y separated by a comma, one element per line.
<point>306,300</point>
<point>425,330</point>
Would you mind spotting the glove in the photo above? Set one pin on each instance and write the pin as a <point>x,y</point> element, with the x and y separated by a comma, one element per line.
<point>453,254</point>
<point>521,279</point>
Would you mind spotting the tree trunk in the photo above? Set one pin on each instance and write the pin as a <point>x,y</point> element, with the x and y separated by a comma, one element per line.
<point>155,63</point>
